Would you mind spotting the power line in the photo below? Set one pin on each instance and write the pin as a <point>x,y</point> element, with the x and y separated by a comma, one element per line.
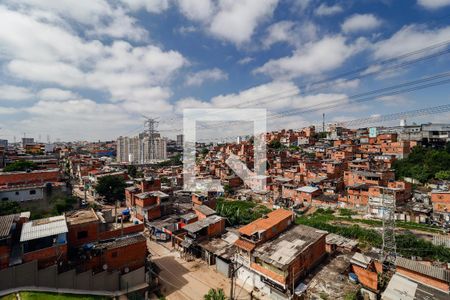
<point>404,87</point>
<point>294,91</point>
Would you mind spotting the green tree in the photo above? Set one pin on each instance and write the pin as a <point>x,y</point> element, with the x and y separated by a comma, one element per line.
<point>215,294</point>
<point>63,204</point>
<point>443,175</point>
<point>9,208</point>
<point>227,189</point>
<point>20,165</point>
<point>132,170</point>
<point>112,188</point>
<point>275,145</point>
<point>424,164</point>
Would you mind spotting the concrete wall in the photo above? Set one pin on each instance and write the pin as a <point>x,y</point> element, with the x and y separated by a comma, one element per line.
<point>28,275</point>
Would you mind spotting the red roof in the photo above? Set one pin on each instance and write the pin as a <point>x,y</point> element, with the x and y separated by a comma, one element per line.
<point>273,218</point>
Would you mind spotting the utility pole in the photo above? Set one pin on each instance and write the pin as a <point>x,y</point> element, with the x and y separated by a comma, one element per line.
<point>233,271</point>
<point>389,249</point>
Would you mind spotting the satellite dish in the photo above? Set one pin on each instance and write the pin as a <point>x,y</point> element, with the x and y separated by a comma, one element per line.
<point>127,270</point>
<point>105,267</point>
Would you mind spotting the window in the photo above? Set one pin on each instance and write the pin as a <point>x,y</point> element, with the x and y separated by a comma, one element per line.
<point>82,234</point>
<point>17,193</point>
<point>33,192</point>
<point>5,199</point>
<point>114,254</point>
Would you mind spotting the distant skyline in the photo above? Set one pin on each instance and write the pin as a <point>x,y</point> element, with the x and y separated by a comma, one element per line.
<point>89,69</point>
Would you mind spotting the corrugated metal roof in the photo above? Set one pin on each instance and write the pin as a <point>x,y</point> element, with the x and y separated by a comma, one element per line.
<point>307,189</point>
<point>431,271</point>
<point>5,225</point>
<point>43,227</point>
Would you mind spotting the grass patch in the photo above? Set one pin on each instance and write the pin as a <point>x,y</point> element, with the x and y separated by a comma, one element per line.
<point>407,244</point>
<point>8,297</point>
<point>240,212</point>
<point>55,296</point>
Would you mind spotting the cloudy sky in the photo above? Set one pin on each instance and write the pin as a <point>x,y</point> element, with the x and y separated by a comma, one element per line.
<point>89,69</point>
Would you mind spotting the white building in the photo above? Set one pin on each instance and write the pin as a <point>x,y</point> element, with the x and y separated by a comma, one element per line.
<point>137,149</point>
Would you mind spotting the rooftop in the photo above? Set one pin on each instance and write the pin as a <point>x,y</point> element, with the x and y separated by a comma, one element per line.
<point>430,271</point>
<point>267,222</point>
<point>206,210</point>
<point>121,241</point>
<point>43,228</point>
<point>152,194</point>
<point>307,189</point>
<point>281,251</point>
<point>6,223</point>
<point>204,223</point>
<point>81,217</point>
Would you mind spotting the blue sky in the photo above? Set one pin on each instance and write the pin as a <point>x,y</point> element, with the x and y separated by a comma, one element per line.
<point>89,69</point>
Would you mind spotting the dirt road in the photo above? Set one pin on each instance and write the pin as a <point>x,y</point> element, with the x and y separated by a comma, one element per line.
<point>182,280</point>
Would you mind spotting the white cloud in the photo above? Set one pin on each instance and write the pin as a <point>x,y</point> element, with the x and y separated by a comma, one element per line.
<point>290,32</point>
<point>433,4</point>
<point>186,29</point>
<point>236,21</point>
<point>135,79</point>
<point>197,79</point>
<point>245,60</point>
<point>314,58</point>
<point>8,110</point>
<point>120,26</point>
<point>197,10</point>
<point>280,97</point>
<point>395,100</point>
<point>98,17</point>
<point>338,85</point>
<point>11,92</point>
<point>361,22</point>
<point>152,6</point>
<point>325,10</point>
<point>410,38</point>
<point>55,94</point>
<point>301,5</point>
<point>76,118</point>
<point>48,72</point>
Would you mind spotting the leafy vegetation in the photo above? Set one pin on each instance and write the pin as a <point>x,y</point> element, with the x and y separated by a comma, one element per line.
<point>20,165</point>
<point>9,208</point>
<point>240,212</point>
<point>407,244</point>
<point>215,294</point>
<point>424,164</point>
<point>63,204</point>
<point>227,189</point>
<point>132,170</point>
<point>112,188</point>
<point>54,296</point>
<point>177,160</point>
<point>275,145</point>
<point>346,212</point>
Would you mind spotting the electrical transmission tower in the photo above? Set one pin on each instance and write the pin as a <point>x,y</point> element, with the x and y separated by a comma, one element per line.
<point>389,249</point>
<point>151,124</point>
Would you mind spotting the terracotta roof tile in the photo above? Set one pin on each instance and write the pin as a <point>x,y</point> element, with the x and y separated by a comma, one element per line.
<point>273,218</point>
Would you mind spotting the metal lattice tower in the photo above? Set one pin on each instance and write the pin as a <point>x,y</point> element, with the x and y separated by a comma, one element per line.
<point>389,249</point>
<point>151,125</point>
